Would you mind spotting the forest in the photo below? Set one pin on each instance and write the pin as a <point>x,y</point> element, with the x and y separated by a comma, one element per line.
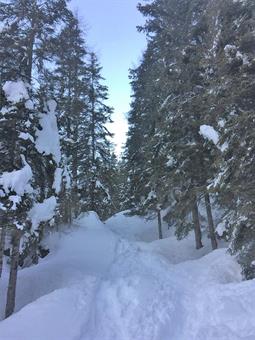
<point>187,166</point>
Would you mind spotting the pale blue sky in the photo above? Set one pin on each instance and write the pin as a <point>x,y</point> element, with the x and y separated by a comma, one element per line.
<point>111,33</point>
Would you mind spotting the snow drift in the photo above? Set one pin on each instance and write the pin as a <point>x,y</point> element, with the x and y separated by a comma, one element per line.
<point>101,285</point>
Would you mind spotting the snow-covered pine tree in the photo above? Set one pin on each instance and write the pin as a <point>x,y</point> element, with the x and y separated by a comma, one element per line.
<point>15,175</point>
<point>27,35</point>
<point>68,83</point>
<point>190,162</point>
<point>232,98</point>
<point>95,165</point>
<point>145,164</point>
<point>28,180</point>
<point>29,174</point>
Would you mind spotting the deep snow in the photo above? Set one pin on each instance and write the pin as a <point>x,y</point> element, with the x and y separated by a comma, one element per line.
<point>114,281</point>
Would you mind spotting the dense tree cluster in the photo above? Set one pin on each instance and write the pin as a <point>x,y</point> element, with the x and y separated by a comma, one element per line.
<point>56,155</point>
<point>190,148</point>
<point>189,156</point>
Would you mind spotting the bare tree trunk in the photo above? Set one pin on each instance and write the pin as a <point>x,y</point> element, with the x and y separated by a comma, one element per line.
<point>159,225</point>
<point>197,228</point>
<point>11,293</point>
<point>2,245</point>
<point>210,221</point>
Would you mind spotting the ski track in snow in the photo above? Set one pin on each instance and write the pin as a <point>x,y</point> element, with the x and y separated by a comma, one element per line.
<point>103,282</point>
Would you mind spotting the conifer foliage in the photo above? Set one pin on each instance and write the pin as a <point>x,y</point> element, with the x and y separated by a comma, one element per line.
<point>55,149</point>
<point>190,145</point>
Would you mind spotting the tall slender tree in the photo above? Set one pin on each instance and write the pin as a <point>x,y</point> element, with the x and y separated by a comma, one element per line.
<point>96,185</point>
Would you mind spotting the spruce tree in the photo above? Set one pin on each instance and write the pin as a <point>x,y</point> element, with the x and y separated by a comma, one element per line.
<point>96,184</point>
<point>26,39</point>
<point>232,87</point>
<point>69,86</point>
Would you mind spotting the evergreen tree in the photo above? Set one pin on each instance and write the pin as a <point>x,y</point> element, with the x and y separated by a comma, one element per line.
<point>96,165</point>
<point>29,170</point>
<point>26,39</point>
<point>69,86</point>
<point>205,78</point>
<point>233,105</point>
<point>28,174</point>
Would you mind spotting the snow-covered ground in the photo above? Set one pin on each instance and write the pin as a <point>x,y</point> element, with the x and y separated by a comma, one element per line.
<point>115,281</point>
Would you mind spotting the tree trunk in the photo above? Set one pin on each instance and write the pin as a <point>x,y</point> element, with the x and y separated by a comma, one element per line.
<point>159,225</point>
<point>210,221</point>
<point>2,245</point>
<point>30,52</point>
<point>11,293</point>
<point>93,138</point>
<point>197,229</point>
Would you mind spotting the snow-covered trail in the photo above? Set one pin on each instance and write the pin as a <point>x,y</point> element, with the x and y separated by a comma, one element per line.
<point>102,282</point>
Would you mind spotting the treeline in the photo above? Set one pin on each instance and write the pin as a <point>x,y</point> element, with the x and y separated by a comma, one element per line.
<point>191,140</point>
<point>56,155</point>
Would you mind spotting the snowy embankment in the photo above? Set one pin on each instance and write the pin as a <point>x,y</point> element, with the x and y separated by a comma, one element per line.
<point>104,282</point>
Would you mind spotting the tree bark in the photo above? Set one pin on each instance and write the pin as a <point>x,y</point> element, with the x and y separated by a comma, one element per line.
<point>2,245</point>
<point>93,135</point>
<point>11,293</point>
<point>159,225</point>
<point>30,51</point>
<point>210,221</point>
<point>197,228</point>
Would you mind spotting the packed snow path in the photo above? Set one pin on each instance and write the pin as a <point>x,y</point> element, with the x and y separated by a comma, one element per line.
<point>103,282</point>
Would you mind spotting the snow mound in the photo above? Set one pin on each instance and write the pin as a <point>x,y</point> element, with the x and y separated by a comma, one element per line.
<point>89,220</point>
<point>97,285</point>
<point>170,248</point>
<point>88,249</point>
<point>213,268</point>
<point>135,228</point>
<point>56,316</point>
<point>224,312</point>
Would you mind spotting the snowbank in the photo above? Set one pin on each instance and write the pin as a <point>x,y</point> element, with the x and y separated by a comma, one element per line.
<point>97,285</point>
<point>89,220</point>
<point>56,316</point>
<point>135,228</point>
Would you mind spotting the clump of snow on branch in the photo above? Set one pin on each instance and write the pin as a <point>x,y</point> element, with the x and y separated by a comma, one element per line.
<point>47,141</point>
<point>15,91</point>
<point>42,212</point>
<point>99,185</point>
<point>232,52</point>
<point>170,161</point>
<point>16,200</point>
<point>208,132</point>
<point>17,180</point>
<point>26,136</point>
<point>221,228</point>
<point>29,105</point>
<point>57,180</point>
<point>66,178</point>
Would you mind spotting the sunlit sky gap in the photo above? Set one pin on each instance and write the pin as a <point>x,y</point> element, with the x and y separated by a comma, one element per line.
<point>112,34</point>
